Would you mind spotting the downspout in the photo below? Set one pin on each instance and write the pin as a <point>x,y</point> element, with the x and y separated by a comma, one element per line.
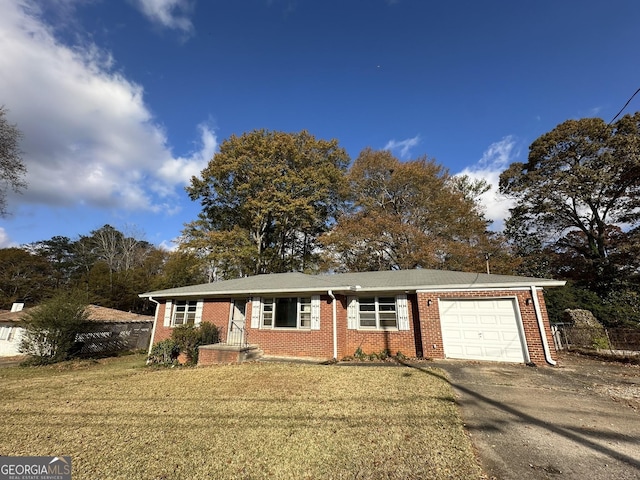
<point>536,307</point>
<point>155,322</point>
<point>335,325</point>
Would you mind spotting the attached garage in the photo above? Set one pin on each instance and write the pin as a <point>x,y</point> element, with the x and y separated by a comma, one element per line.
<point>483,329</point>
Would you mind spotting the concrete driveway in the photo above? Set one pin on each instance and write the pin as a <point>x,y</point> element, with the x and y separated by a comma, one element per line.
<point>579,420</point>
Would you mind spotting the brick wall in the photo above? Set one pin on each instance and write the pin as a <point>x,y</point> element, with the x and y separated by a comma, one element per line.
<point>293,342</point>
<point>319,343</point>
<point>214,311</point>
<point>212,357</point>
<point>375,341</point>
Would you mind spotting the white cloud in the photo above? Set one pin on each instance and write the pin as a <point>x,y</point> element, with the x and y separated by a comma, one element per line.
<point>183,168</point>
<point>169,245</point>
<point>594,112</point>
<point>168,13</point>
<point>404,146</point>
<point>493,162</point>
<point>89,139</point>
<point>5,241</point>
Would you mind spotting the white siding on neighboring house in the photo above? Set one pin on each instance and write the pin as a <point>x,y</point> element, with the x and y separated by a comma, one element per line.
<point>10,340</point>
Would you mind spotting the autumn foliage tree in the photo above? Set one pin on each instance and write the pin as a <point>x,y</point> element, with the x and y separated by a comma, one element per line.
<point>410,214</point>
<point>266,196</point>
<point>581,182</point>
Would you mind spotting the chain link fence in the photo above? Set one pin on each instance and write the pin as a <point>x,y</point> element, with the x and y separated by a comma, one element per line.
<point>615,340</point>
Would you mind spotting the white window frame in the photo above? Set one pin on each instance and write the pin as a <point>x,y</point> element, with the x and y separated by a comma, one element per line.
<point>184,309</point>
<point>269,306</point>
<point>377,311</point>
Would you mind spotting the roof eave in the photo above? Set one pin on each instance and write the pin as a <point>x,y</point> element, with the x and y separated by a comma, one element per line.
<point>495,286</point>
<point>352,289</point>
<point>227,293</point>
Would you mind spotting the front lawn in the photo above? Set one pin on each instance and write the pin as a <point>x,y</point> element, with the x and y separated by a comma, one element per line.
<point>118,419</point>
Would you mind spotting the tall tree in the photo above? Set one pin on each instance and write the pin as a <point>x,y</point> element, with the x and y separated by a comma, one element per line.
<point>12,169</point>
<point>58,251</point>
<point>180,269</point>
<point>23,276</point>
<point>408,215</point>
<point>268,195</point>
<point>583,176</point>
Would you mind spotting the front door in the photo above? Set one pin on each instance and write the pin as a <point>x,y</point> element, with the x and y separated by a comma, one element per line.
<point>236,324</point>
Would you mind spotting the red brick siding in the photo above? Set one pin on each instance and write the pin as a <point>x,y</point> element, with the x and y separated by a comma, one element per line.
<point>432,333</point>
<point>375,341</point>
<point>212,357</point>
<point>293,342</point>
<point>319,343</point>
<point>214,311</point>
<point>430,326</point>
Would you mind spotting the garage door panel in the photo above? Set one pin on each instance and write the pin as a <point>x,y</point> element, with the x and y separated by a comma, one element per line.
<point>506,320</point>
<point>456,335</point>
<point>490,320</point>
<point>471,335</point>
<point>469,319</point>
<point>472,352</point>
<point>505,305</point>
<point>491,336</point>
<point>510,337</point>
<point>457,351</point>
<point>493,352</point>
<point>485,329</point>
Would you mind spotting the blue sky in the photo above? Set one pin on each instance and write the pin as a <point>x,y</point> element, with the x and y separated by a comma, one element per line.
<point>122,101</point>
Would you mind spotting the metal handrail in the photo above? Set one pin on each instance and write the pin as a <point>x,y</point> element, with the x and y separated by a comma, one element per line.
<point>242,331</point>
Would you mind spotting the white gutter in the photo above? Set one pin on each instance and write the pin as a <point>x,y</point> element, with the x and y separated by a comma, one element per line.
<point>155,322</point>
<point>536,307</point>
<point>481,286</point>
<point>335,325</point>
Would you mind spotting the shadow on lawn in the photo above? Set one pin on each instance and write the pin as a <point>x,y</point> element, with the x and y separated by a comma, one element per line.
<point>565,432</point>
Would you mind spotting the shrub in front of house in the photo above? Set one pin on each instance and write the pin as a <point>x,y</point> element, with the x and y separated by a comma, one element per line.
<point>164,353</point>
<point>52,327</point>
<point>185,339</point>
<point>383,355</point>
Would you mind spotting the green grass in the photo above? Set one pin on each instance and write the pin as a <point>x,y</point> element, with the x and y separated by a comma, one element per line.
<point>120,420</point>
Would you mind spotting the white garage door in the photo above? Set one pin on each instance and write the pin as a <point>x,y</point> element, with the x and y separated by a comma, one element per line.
<point>484,329</point>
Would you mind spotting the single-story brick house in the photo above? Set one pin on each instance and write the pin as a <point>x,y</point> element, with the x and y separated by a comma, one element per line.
<point>420,313</point>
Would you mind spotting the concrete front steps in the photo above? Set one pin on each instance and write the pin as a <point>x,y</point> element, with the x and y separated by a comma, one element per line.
<point>223,353</point>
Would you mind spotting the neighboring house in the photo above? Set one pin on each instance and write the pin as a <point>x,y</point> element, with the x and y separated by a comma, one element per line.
<point>420,313</point>
<point>112,330</point>
<point>10,334</point>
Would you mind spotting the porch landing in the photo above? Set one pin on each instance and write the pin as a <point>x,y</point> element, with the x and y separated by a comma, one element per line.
<point>223,353</point>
